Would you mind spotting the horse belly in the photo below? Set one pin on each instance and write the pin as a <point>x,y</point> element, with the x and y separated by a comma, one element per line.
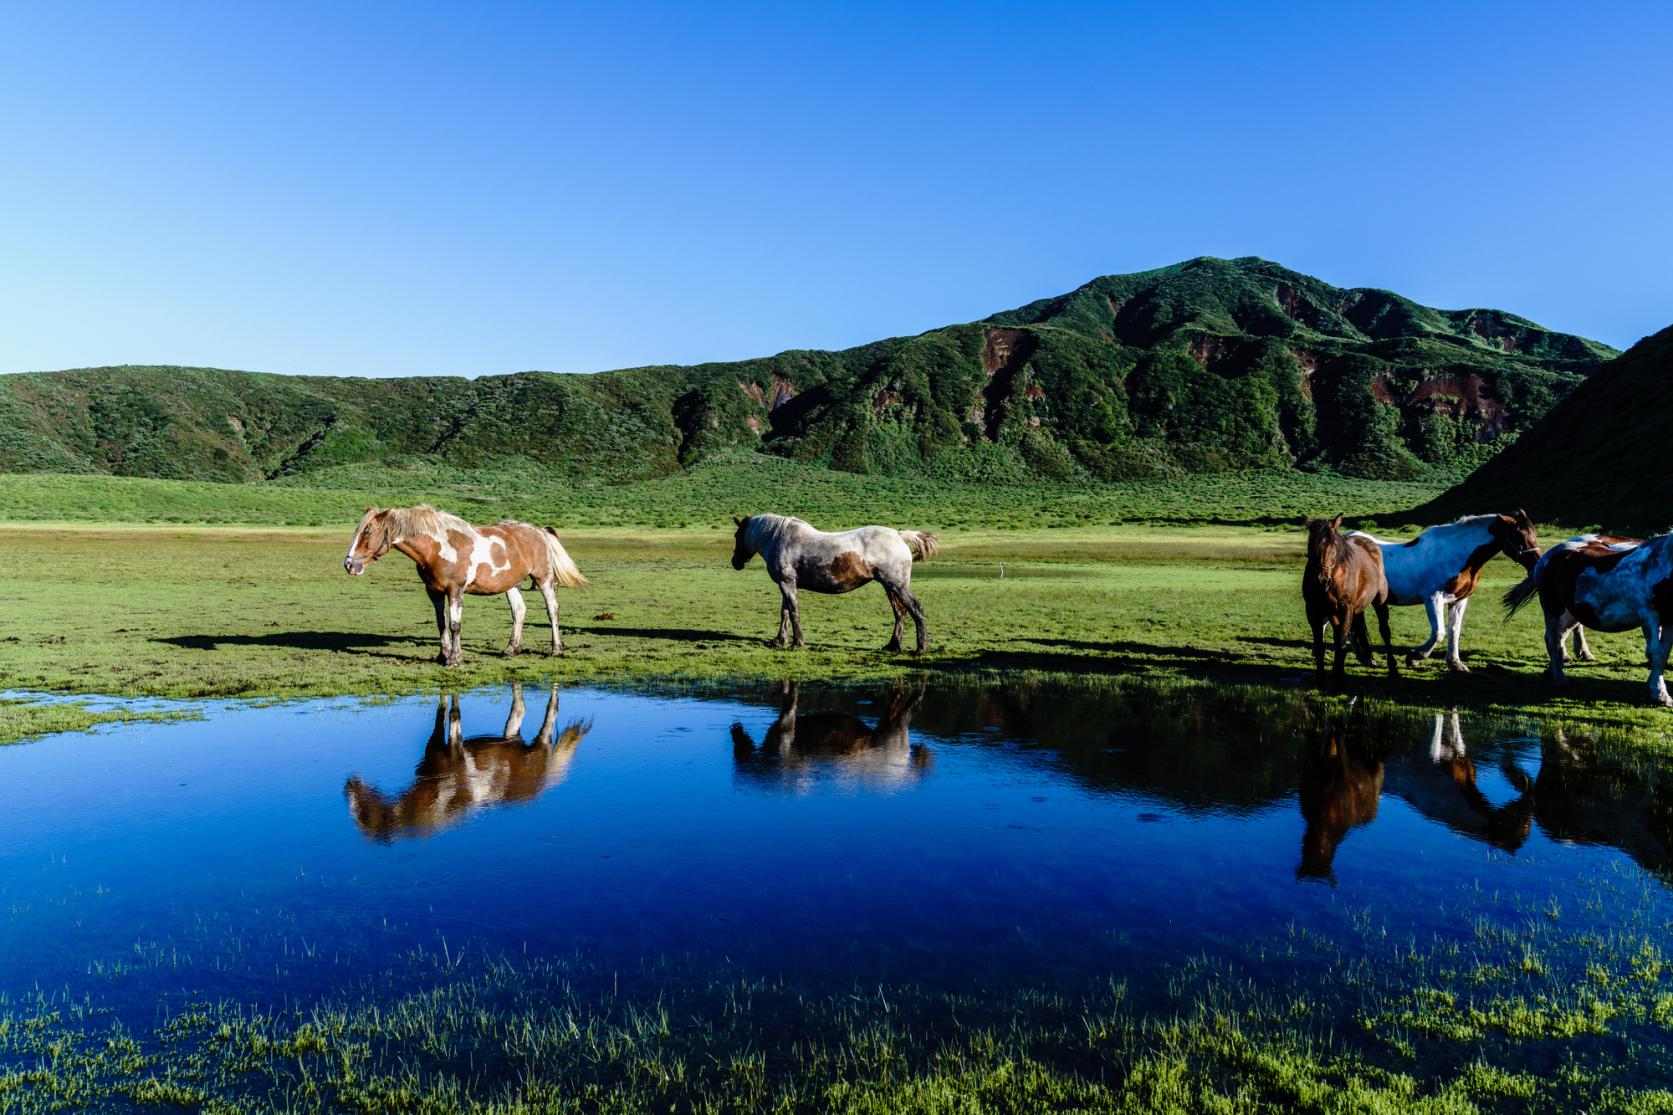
<point>1603,611</point>
<point>843,572</point>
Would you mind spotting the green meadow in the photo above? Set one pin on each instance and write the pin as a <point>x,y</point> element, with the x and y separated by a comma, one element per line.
<point>161,588</point>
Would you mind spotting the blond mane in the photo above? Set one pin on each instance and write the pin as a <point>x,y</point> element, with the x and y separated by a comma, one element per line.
<point>404,522</point>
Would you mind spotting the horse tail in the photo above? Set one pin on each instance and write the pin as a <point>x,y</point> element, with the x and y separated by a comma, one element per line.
<point>1519,594</point>
<point>563,567</point>
<point>922,543</point>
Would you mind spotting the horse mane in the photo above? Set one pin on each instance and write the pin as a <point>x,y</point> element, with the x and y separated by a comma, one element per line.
<point>404,522</point>
<point>768,528</point>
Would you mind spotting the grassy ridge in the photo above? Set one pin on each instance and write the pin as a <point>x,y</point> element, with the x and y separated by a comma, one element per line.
<point>1205,366</point>
<point>1596,458</point>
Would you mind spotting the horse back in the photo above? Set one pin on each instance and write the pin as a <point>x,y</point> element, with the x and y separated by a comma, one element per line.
<point>1561,588</point>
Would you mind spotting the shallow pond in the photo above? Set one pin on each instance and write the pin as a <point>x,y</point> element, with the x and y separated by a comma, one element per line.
<point>983,846</point>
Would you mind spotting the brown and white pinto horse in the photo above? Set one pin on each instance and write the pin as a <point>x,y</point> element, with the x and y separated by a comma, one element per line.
<point>1607,583</point>
<point>459,776</point>
<point>797,556</point>
<point>1441,566</point>
<point>1344,576</point>
<point>455,558</point>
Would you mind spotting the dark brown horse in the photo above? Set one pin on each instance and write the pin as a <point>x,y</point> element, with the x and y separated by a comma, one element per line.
<point>1344,576</point>
<point>1338,792</point>
<point>459,776</point>
<point>455,558</point>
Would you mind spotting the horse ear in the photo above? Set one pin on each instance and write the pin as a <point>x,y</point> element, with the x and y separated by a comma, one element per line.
<point>1336,523</point>
<point>737,521</point>
<point>1522,516</point>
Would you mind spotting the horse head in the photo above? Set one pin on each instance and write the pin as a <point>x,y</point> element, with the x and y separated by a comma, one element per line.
<point>1516,538</point>
<point>370,542</point>
<point>741,552</point>
<point>1321,536</point>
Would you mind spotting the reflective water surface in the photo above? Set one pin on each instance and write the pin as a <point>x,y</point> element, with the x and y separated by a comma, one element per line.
<point>949,837</point>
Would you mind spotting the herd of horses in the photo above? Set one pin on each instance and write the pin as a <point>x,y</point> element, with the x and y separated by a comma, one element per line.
<point>1602,581</point>
<point>1605,582</point>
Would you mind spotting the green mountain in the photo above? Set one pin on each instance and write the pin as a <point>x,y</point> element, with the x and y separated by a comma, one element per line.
<point>1595,458</point>
<point>1206,365</point>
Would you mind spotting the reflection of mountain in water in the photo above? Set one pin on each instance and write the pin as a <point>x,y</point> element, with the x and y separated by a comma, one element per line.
<point>1241,752</point>
<point>458,776</point>
<point>803,748</point>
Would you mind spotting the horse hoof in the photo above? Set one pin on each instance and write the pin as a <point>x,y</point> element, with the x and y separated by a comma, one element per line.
<point>891,648</point>
<point>513,652</point>
<point>1587,656</point>
<point>1458,667</point>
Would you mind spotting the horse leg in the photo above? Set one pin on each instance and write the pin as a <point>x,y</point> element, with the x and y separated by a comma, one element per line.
<point>796,619</point>
<point>1316,623</point>
<point>455,726</point>
<point>514,718</point>
<point>789,615</point>
<point>1388,638</point>
<point>1362,641</point>
<point>1455,635</point>
<point>1656,644</point>
<point>439,601</point>
<point>550,721</point>
<point>549,593</point>
<point>1435,606</point>
<point>518,611</point>
<point>1339,626</point>
<point>1582,652</point>
<point>455,618</point>
<point>1556,630</point>
<point>916,611</point>
<point>899,609</point>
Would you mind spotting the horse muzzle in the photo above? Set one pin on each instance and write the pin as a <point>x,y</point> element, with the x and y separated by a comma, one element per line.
<point>353,568</point>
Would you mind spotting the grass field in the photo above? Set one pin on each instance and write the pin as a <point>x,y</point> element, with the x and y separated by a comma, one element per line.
<point>1148,587</point>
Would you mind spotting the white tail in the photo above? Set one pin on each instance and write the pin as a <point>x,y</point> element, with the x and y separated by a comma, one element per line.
<point>563,567</point>
<point>922,543</point>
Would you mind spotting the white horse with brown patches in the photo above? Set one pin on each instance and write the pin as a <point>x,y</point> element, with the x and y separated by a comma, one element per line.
<point>455,558</point>
<point>797,556</point>
<point>1440,568</point>
<point>1607,583</point>
<point>459,776</point>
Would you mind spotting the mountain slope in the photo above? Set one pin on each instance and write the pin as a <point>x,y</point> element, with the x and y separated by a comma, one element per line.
<point>1597,459</point>
<point>1206,365</point>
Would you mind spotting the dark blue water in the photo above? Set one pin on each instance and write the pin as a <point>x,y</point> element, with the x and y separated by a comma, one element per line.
<point>955,838</point>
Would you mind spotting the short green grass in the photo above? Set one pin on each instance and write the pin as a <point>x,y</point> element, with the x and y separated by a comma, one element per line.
<point>1371,1023</point>
<point>223,611</point>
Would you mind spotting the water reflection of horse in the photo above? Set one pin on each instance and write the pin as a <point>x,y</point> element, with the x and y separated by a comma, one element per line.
<point>1339,791</point>
<point>1573,798</point>
<point>802,747</point>
<point>458,776</point>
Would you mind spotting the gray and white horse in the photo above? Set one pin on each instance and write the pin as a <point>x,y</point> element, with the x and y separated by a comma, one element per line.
<point>797,556</point>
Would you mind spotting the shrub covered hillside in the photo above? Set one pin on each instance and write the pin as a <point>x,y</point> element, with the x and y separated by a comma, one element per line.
<point>1203,366</point>
<point>1596,459</point>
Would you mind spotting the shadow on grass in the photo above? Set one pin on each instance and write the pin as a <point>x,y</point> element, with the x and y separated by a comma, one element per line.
<point>672,634</point>
<point>293,640</point>
<point>1422,686</point>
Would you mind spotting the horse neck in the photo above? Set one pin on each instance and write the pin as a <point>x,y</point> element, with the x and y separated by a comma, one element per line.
<point>1474,538</point>
<point>765,533</point>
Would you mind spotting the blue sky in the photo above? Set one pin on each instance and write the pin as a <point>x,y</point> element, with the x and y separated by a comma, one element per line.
<point>382,189</point>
